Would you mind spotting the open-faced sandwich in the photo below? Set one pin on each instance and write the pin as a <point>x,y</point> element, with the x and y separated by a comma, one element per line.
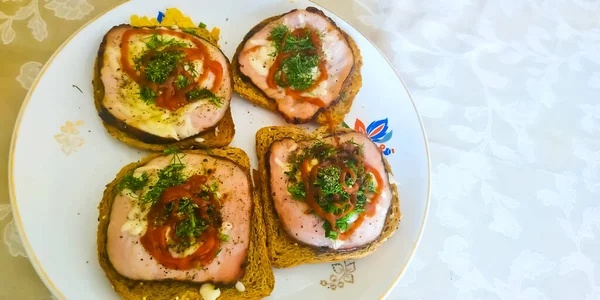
<point>301,65</point>
<point>156,87</point>
<point>178,225</point>
<point>327,197</point>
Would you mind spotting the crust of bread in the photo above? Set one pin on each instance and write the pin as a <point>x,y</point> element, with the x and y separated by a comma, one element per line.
<point>219,135</point>
<point>339,107</point>
<point>258,278</point>
<point>284,251</point>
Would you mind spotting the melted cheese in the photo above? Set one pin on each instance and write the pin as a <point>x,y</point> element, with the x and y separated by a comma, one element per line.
<point>136,223</point>
<point>226,227</point>
<point>262,59</point>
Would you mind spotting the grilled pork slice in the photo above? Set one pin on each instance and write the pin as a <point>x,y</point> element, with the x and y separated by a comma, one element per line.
<point>162,85</point>
<point>182,217</point>
<point>334,193</point>
<point>301,60</point>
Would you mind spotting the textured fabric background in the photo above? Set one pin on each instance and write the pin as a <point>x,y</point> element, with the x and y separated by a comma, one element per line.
<point>508,91</point>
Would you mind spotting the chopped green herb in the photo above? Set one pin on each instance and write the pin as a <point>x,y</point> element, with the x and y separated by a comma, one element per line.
<point>297,158</point>
<point>161,65</point>
<point>191,31</point>
<point>342,223</point>
<point>186,207</point>
<point>371,184</point>
<point>147,94</point>
<point>223,237</point>
<point>361,200</point>
<point>171,150</point>
<point>167,177</point>
<point>331,234</point>
<point>133,183</point>
<point>328,181</point>
<point>181,81</point>
<point>197,94</point>
<point>191,227</point>
<point>78,88</point>
<point>298,70</point>
<point>324,152</point>
<point>191,68</point>
<point>277,34</point>
<point>155,42</point>
<point>297,191</point>
<point>294,43</point>
<point>202,25</point>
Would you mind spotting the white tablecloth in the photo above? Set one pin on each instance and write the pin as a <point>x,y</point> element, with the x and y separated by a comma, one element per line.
<point>509,95</point>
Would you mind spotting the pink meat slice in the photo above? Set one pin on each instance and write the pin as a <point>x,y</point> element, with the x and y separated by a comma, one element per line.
<point>131,259</point>
<point>186,121</point>
<point>337,53</point>
<point>308,228</point>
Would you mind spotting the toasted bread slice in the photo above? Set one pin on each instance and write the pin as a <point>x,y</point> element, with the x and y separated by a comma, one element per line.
<point>219,135</point>
<point>258,278</point>
<point>284,251</point>
<point>339,107</point>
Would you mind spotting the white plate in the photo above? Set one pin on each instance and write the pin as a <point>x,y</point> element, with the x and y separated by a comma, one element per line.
<point>61,159</point>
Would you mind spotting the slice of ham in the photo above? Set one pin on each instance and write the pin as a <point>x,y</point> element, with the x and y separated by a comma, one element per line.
<point>130,258</point>
<point>121,95</point>
<point>308,228</point>
<point>255,59</point>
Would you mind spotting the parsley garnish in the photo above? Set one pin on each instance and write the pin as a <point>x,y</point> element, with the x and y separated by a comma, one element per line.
<point>297,191</point>
<point>223,237</point>
<point>191,227</point>
<point>161,64</point>
<point>294,43</point>
<point>202,25</point>
<point>328,181</point>
<point>197,94</point>
<point>133,183</point>
<point>277,34</point>
<point>191,31</point>
<point>78,88</point>
<point>147,94</point>
<point>171,150</point>
<point>298,71</point>
<point>156,42</point>
<point>191,68</point>
<point>181,81</point>
<point>342,223</point>
<point>167,177</point>
<point>330,233</point>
